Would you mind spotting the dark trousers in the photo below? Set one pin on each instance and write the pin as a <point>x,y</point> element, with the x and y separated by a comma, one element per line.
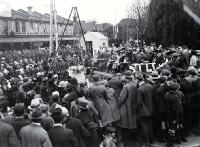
<point>128,137</point>
<point>145,129</point>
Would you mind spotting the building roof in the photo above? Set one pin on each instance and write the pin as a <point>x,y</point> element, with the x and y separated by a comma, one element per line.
<point>97,34</point>
<point>22,14</point>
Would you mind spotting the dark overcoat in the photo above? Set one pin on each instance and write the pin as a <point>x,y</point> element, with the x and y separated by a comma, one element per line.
<point>127,106</point>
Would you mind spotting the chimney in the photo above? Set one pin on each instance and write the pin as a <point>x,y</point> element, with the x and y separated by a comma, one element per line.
<point>30,8</point>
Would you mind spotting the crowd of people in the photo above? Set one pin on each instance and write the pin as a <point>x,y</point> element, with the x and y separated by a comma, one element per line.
<point>42,106</point>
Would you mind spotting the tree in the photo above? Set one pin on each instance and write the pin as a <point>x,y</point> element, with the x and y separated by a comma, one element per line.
<point>169,24</point>
<point>139,12</point>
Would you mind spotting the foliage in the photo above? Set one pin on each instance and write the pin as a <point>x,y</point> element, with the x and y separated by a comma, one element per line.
<point>168,24</point>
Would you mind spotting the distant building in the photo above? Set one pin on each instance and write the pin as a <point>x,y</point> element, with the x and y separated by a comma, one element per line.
<point>26,29</point>
<point>91,26</point>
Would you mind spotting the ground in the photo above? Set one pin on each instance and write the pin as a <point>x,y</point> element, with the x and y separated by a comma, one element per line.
<point>193,141</point>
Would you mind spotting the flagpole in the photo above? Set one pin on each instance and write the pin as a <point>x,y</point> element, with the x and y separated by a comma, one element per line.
<point>50,29</point>
<point>56,27</point>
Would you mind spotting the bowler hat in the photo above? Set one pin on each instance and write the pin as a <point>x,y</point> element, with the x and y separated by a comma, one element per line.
<point>36,114</point>
<point>57,114</point>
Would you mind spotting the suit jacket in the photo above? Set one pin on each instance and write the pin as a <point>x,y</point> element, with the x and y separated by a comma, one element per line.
<point>34,136</point>
<point>8,136</point>
<point>145,100</point>
<point>127,106</point>
<point>79,130</point>
<point>18,124</point>
<point>61,137</point>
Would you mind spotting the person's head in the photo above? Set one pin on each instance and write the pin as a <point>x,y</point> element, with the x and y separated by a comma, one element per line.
<point>36,116</point>
<point>192,71</point>
<point>35,104</point>
<point>55,96</point>
<point>57,115</point>
<point>140,77</point>
<point>3,104</point>
<point>163,79</point>
<point>96,78</point>
<point>173,70</point>
<point>173,85</point>
<point>74,82</point>
<point>128,75</point>
<point>19,109</point>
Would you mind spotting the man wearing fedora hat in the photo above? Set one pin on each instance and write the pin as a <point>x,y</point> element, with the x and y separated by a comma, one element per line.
<point>34,135</point>
<point>59,136</point>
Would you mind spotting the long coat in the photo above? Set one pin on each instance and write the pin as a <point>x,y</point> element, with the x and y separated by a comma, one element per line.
<point>113,104</point>
<point>98,93</point>
<point>127,106</point>
<point>117,85</point>
<point>145,100</point>
<point>8,136</point>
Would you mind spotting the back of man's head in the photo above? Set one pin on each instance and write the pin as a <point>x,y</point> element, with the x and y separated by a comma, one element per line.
<point>19,109</point>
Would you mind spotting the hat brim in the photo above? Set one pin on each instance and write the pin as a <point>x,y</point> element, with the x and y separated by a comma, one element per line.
<point>155,78</point>
<point>41,117</point>
<point>128,77</point>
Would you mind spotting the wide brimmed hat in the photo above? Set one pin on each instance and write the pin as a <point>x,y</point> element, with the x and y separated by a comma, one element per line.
<point>57,114</point>
<point>82,105</point>
<point>26,80</point>
<point>173,85</point>
<point>192,70</point>
<point>35,103</point>
<point>36,114</point>
<point>175,55</point>
<point>96,77</point>
<point>62,84</point>
<point>154,76</point>
<point>165,72</point>
<point>128,74</point>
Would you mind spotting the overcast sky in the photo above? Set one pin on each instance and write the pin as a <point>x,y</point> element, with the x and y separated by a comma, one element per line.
<point>98,10</point>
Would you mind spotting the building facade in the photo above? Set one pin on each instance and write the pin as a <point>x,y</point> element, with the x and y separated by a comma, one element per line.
<point>26,29</point>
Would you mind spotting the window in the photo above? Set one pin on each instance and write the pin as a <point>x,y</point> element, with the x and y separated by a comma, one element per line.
<point>23,27</point>
<point>45,28</point>
<point>17,26</point>
<point>5,27</point>
<point>37,28</point>
<point>31,26</point>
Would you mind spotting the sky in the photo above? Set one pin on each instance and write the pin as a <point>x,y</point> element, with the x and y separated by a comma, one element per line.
<point>111,11</point>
